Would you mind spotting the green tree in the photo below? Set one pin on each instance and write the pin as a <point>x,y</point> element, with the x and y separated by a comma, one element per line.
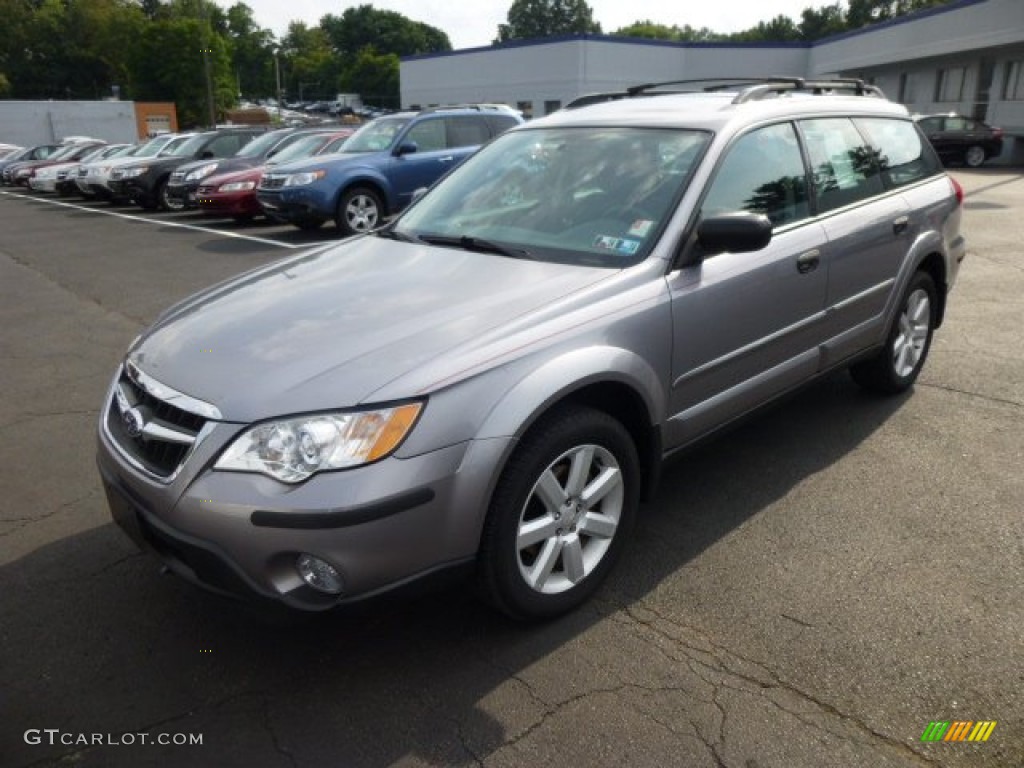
<point>547,18</point>
<point>374,76</point>
<point>780,29</point>
<point>386,31</point>
<point>310,67</point>
<point>651,30</point>
<point>252,52</point>
<point>816,23</point>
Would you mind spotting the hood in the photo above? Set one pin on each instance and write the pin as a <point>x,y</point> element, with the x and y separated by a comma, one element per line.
<point>329,328</point>
<point>224,164</point>
<point>319,161</point>
<point>248,174</point>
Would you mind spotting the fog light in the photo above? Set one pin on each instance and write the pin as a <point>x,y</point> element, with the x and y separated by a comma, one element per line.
<point>319,574</point>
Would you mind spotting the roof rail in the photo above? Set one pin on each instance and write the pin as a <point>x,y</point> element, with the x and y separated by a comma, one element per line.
<point>751,88</point>
<point>478,107</point>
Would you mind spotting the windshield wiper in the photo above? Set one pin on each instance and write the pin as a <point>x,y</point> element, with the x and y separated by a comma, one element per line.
<point>393,234</point>
<point>478,244</point>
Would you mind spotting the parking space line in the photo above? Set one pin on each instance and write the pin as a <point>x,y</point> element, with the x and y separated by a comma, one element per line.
<point>160,222</point>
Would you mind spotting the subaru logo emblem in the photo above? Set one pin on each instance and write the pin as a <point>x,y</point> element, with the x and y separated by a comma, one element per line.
<point>133,422</point>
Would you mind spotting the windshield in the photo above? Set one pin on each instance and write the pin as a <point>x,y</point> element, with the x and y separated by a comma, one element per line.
<point>339,144</point>
<point>65,151</point>
<point>261,145</point>
<point>305,146</point>
<point>377,135</point>
<point>171,147</point>
<point>594,196</point>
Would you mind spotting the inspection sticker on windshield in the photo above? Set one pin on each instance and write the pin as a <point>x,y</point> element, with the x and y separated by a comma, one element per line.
<point>617,244</point>
<point>640,228</point>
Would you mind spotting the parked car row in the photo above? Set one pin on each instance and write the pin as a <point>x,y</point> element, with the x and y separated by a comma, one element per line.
<point>961,139</point>
<point>303,176</point>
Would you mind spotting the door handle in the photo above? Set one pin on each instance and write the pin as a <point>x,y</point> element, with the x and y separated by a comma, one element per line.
<point>447,159</point>
<point>808,262</point>
<point>899,226</point>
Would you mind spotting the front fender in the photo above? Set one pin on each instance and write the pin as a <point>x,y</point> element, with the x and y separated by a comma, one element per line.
<point>558,378</point>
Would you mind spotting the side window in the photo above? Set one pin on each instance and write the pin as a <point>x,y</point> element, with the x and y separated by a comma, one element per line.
<point>958,123</point>
<point>931,124</point>
<point>763,172</point>
<point>225,146</point>
<point>501,123</point>
<point>428,135</point>
<point>466,131</point>
<point>903,157</point>
<point>845,169</point>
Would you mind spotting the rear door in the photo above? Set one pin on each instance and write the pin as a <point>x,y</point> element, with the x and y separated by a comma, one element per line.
<point>867,228</point>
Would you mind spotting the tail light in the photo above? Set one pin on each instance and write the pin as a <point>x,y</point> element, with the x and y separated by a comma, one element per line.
<point>997,133</point>
<point>957,190</point>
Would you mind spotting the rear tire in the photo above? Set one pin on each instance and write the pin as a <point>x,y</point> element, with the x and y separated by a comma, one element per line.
<point>560,515</point>
<point>896,366</point>
<point>975,156</point>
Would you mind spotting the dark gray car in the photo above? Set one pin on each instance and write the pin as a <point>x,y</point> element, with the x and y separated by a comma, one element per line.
<point>494,379</point>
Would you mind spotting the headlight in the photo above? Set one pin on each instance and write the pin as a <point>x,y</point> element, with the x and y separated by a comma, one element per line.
<point>294,449</point>
<point>237,186</point>
<point>301,179</point>
<point>131,173</point>
<point>201,172</point>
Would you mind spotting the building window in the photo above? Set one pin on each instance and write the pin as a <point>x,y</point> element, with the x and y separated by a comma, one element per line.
<point>1013,90</point>
<point>552,106</point>
<point>949,86</point>
<point>526,107</point>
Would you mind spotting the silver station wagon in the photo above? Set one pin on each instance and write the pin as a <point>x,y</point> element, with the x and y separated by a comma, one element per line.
<point>493,379</point>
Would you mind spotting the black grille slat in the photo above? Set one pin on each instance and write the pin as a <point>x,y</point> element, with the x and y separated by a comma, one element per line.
<point>273,182</point>
<point>160,457</point>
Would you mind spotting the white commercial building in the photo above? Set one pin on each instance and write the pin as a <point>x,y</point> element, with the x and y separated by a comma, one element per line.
<point>967,57</point>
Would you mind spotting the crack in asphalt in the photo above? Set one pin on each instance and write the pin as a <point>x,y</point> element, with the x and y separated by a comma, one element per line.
<point>268,726</point>
<point>726,666</point>
<point>978,395</point>
<point>21,522</point>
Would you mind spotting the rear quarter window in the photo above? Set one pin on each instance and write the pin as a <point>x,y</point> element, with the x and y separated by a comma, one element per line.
<point>845,168</point>
<point>904,157</point>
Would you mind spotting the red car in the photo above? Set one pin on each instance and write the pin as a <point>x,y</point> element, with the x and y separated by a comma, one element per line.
<point>234,194</point>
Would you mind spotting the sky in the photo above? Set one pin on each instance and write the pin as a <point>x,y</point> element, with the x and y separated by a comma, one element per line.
<point>471,23</point>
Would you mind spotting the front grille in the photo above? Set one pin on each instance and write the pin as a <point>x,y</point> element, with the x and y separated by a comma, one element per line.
<point>161,457</point>
<point>272,182</point>
<point>116,174</point>
<point>83,172</point>
<point>206,190</point>
<point>178,176</point>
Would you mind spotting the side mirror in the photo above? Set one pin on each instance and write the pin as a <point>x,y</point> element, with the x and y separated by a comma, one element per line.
<point>734,233</point>
<point>407,148</point>
<point>418,193</point>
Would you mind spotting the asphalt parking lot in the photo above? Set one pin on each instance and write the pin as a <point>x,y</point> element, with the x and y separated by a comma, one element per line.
<point>811,589</point>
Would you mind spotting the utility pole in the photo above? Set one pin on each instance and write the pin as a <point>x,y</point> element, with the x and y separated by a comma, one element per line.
<point>207,50</point>
<point>277,76</point>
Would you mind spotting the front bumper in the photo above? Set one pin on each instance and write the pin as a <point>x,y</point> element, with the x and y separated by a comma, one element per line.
<point>183,193</point>
<point>42,185</point>
<point>298,204</point>
<point>228,203</point>
<point>380,526</point>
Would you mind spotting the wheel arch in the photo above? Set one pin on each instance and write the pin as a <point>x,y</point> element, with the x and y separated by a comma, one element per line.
<point>615,381</point>
<point>377,185</point>
<point>935,266</point>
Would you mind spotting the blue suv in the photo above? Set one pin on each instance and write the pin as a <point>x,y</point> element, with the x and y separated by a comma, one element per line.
<point>382,165</point>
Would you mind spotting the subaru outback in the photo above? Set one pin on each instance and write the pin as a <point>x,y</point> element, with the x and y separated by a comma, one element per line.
<point>493,380</point>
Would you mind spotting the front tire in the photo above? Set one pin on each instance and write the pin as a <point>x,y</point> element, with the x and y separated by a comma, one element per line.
<point>359,211</point>
<point>975,156</point>
<point>560,515</point>
<point>896,367</point>
<point>168,203</point>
